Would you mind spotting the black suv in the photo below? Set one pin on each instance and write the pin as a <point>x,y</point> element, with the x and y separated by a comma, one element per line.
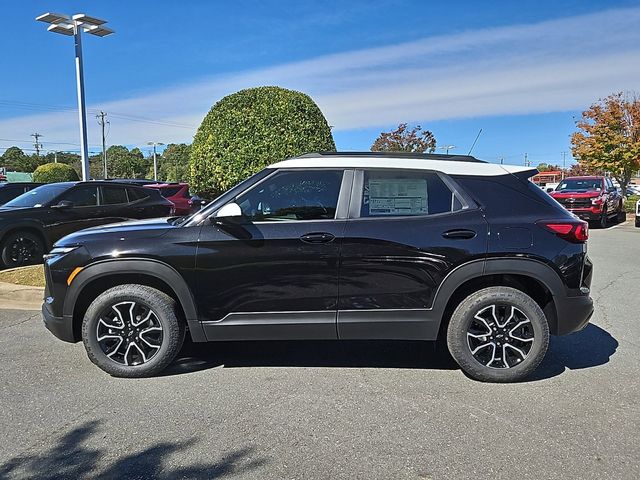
<point>32,222</point>
<point>9,191</point>
<point>335,246</point>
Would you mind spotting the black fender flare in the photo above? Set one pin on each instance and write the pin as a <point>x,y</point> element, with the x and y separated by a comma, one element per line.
<point>492,266</point>
<point>145,266</point>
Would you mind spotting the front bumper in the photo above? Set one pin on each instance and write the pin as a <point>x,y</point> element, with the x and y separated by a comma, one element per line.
<point>588,214</point>
<point>61,327</point>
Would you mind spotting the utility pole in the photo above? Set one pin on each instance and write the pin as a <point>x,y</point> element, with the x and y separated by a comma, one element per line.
<point>37,144</point>
<point>102,124</point>
<point>501,160</point>
<point>155,161</point>
<point>564,163</point>
<point>526,162</point>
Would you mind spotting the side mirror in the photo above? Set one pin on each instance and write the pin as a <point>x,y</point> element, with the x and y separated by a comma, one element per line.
<point>230,213</point>
<point>63,204</point>
<point>549,190</point>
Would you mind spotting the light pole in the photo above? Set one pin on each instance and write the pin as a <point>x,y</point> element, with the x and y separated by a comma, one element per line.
<point>447,148</point>
<point>67,25</point>
<point>155,162</point>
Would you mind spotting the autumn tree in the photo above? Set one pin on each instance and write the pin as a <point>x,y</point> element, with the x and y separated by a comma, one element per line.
<point>403,140</point>
<point>608,137</point>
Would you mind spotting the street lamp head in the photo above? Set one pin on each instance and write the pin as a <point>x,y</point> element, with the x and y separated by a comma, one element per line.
<point>84,19</point>
<point>98,31</point>
<point>63,28</point>
<point>53,18</point>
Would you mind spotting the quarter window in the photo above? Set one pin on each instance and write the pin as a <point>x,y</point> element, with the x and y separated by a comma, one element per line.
<point>406,193</point>
<point>293,195</point>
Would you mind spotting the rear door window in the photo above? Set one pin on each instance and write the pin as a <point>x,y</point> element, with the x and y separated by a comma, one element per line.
<point>114,195</point>
<point>136,194</point>
<point>392,193</point>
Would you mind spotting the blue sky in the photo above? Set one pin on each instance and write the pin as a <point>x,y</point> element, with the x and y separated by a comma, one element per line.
<point>521,71</point>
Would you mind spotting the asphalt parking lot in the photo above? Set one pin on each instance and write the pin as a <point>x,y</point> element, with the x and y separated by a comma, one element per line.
<point>333,410</point>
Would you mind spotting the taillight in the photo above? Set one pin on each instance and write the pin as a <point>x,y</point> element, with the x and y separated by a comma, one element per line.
<point>576,232</point>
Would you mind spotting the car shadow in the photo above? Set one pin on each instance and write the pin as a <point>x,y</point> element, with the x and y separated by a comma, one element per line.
<point>346,354</point>
<point>588,348</point>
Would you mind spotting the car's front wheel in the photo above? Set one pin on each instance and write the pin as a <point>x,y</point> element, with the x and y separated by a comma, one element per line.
<point>21,248</point>
<point>132,331</point>
<point>498,334</point>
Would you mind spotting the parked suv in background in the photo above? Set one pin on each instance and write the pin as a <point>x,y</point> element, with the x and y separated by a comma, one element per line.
<point>178,194</point>
<point>594,199</point>
<point>9,191</point>
<point>32,222</point>
<point>335,246</point>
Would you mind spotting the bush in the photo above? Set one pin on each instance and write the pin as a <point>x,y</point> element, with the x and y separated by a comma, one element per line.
<point>630,203</point>
<point>248,130</point>
<point>55,172</point>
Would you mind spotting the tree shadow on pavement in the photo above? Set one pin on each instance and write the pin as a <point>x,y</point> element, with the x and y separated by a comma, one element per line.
<point>71,458</point>
<point>587,348</point>
<point>345,353</point>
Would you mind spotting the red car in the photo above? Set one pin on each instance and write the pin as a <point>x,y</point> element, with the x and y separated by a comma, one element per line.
<point>178,194</point>
<point>591,198</point>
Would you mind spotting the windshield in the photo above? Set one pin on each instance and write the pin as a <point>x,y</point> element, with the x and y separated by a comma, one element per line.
<point>580,185</point>
<point>37,197</point>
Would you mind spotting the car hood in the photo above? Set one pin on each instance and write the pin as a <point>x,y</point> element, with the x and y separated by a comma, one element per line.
<point>149,228</point>
<point>575,194</point>
<point>17,211</point>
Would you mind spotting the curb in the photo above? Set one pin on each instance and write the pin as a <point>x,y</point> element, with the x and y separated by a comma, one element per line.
<point>20,297</point>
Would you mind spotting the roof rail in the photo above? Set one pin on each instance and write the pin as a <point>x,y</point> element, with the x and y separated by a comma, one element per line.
<point>423,156</point>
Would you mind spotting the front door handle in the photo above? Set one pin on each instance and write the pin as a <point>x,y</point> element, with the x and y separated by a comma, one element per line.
<point>317,237</point>
<point>459,234</point>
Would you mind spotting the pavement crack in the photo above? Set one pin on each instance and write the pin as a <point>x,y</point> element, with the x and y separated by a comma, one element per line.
<point>28,319</point>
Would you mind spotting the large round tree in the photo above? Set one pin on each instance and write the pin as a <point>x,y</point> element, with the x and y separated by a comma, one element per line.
<point>250,129</point>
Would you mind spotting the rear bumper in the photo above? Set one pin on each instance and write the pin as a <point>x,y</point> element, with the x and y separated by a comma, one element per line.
<point>61,327</point>
<point>573,313</point>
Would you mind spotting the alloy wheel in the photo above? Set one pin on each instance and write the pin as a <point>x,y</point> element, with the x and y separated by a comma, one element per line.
<point>500,336</point>
<point>129,333</point>
<point>23,250</point>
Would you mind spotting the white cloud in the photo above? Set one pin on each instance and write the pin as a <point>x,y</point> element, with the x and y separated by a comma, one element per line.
<point>557,65</point>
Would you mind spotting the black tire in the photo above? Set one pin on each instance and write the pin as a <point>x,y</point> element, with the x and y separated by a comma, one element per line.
<point>120,350</point>
<point>622,214</point>
<point>21,248</point>
<point>532,335</point>
<point>637,222</point>
<point>602,223</point>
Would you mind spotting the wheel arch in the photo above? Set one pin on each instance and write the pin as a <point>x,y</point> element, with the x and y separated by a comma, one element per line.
<point>31,227</point>
<point>100,276</point>
<point>534,278</point>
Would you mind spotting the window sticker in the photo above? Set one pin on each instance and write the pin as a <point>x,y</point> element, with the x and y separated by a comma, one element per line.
<point>398,196</point>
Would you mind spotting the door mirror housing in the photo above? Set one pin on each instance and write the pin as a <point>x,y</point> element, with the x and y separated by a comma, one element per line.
<point>230,213</point>
<point>63,205</point>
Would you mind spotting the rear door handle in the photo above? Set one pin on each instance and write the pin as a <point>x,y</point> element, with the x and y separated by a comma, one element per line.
<point>459,234</point>
<point>317,237</point>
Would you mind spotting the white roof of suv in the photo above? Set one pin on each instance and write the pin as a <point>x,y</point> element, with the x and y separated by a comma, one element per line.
<point>449,164</point>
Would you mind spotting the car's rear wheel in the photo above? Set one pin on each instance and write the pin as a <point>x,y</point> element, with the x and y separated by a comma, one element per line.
<point>132,331</point>
<point>622,214</point>
<point>21,248</point>
<point>498,334</point>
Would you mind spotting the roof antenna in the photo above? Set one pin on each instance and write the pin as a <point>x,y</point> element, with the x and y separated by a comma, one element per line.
<point>474,142</point>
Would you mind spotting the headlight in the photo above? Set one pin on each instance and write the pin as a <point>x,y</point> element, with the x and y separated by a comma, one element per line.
<point>59,251</point>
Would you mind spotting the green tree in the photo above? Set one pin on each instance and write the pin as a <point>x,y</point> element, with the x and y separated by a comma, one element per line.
<point>608,137</point>
<point>121,163</point>
<point>250,129</point>
<point>174,163</point>
<point>55,172</point>
<point>403,140</point>
<point>16,160</point>
<point>546,167</point>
